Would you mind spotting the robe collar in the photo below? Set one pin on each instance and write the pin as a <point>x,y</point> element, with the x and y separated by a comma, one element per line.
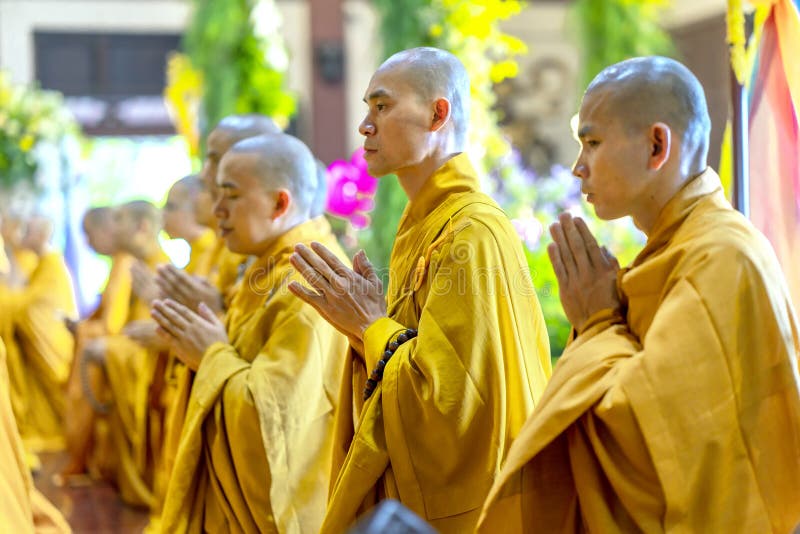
<point>305,232</point>
<point>675,212</point>
<point>457,175</point>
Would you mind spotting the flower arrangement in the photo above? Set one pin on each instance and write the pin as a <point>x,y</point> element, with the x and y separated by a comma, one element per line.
<point>28,116</point>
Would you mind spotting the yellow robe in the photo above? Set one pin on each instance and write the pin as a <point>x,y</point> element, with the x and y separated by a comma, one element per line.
<point>435,431</point>
<point>276,379</point>
<point>225,268</point>
<point>202,253</point>
<point>682,416</point>
<point>22,508</point>
<point>40,352</point>
<point>115,302</point>
<point>178,380</point>
<point>135,418</point>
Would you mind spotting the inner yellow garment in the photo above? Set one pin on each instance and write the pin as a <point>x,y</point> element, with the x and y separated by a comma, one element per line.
<point>276,379</point>
<point>436,429</point>
<point>22,508</point>
<point>681,416</point>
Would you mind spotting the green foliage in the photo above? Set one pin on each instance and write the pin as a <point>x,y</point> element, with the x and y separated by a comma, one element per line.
<point>236,46</point>
<point>613,30</point>
<point>28,115</point>
<point>405,24</point>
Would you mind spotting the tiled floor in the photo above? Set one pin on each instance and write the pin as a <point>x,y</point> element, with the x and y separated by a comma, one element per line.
<point>90,509</point>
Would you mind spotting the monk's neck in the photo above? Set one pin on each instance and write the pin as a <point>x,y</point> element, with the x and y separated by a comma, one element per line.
<point>413,178</point>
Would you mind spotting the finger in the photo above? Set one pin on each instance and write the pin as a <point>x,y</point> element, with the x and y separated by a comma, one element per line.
<point>206,313</point>
<point>330,258</point>
<point>364,267</point>
<point>317,280</point>
<point>175,280</point>
<point>315,262</point>
<point>306,295</point>
<point>576,243</point>
<point>165,323</point>
<point>611,258</point>
<point>554,253</point>
<point>564,251</point>
<point>185,313</point>
<point>596,255</point>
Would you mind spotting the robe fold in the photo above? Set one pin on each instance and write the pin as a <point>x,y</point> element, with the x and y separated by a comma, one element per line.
<point>40,351</point>
<point>255,451</point>
<point>681,414</point>
<point>135,418</point>
<point>23,508</point>
<point>178,381</point>
<point>434,432</point>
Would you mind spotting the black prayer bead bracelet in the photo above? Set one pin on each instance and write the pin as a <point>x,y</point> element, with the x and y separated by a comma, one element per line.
<point>377,373</point>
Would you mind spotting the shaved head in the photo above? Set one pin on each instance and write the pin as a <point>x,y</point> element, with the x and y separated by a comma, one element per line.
<point>279,161</point>
<point>98,225</point>
<point>434,74</point>
<point>320,200</point>
<point>142,211</point>
<point>646,90</point>
<point>98,217</point>
<point>235,128</point>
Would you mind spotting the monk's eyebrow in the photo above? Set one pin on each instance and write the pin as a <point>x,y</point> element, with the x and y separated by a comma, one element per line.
<point>378,93</point>
<point>584,131</point>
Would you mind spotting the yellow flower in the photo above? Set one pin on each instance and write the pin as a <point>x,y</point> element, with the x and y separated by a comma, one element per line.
<point>736,38</point>
<point>26,142</point>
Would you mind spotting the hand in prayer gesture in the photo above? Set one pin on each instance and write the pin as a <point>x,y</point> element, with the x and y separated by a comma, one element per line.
<point>180,286</point>
<point>349,299</point>
<point>187,333</point>
<point>143,283</point>
<point>145,333</point>
<point>586,273</point>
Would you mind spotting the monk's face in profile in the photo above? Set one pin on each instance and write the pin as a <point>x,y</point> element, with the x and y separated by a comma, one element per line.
<point>246,209</point>
<point>612,161</point>
<point>204,204</point>
<point>178,211</point>
<point>397,125</point>
<point>101,236</point>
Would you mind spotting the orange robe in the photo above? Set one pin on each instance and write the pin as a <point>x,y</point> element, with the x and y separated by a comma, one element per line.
<point>683,415</point>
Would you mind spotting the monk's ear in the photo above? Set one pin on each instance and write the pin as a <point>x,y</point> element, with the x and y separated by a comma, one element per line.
<point>283,200</point>
<point>660,145</point>
<point>441,114</point>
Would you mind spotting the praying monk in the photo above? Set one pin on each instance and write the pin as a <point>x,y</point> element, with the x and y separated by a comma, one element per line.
<point>109,318</point>
<point>271,370</point>
<point>211,281</point>
<point>39,370</point>
<point>22,507</point>
<point>457,356</point>
<point>124,370</point>
<point>676,407</point>
<point>214,287</point>
<point>180,222</point>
